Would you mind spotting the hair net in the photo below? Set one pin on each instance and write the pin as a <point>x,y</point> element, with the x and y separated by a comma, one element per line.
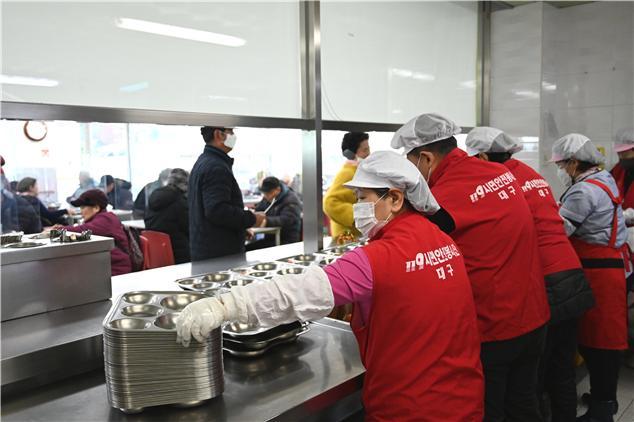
<point>422,130</point>
<point>387,169</point>
<point>490,139</point>
<point>624,139</point>
<point>578,147</point>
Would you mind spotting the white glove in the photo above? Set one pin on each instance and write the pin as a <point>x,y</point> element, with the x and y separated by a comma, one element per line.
<point>629,216</point>
<point>200,318</point>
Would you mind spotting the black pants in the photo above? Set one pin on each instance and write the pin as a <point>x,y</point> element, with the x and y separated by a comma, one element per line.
<point>510,374</point>
<point>603,367</point>
<point>557,370</point>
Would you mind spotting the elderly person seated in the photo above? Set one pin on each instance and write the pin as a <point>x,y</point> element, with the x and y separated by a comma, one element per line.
<point>283,209</point>
<point>27,188</point>
<point>93,205</point>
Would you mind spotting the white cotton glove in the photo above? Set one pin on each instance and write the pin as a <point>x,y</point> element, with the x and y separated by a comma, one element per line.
<point>200,318</point>
<point>629,216</point>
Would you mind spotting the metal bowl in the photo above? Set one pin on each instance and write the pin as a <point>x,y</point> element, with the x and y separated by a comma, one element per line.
<point>339,250</point>
<point>240,282</point>
<point>258,274</point>
<point>265,266</point>
<point>178,302</point>
<point>295,270</point>
<point>137,297</point>
<point>187,281</point>
<point>238,327</point>
<point>216,277</point>
<point>141,310</point>
<point>167,321</point>
<point>129,324</point>
<point>304,258</point>
<point>207,285</point>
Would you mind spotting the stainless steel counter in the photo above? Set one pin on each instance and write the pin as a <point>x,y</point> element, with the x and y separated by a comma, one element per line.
<point>317,378</point>
<point>52,250</point>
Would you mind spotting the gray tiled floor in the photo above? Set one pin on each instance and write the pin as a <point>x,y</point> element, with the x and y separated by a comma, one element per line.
<point>625,395</point>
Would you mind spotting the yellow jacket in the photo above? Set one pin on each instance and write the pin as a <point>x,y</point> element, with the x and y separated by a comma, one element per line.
<point>338,202</point>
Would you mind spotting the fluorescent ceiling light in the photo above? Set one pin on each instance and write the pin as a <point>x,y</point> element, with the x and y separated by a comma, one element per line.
<point>468,84</point>
<point>406,73</point>
<point>179,32</point>
<point>139,86</point>
<point>26,80</point>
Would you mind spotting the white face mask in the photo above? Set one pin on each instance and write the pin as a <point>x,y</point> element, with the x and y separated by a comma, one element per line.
<point>564,177</point>
<point>230,141</point>
<point>364,219</point>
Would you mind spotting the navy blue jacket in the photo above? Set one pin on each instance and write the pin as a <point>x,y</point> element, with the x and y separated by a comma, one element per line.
<point>217,219</point>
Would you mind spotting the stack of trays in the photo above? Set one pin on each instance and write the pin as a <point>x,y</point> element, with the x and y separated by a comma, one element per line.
<point>244,340</point>
<point>143,364</point>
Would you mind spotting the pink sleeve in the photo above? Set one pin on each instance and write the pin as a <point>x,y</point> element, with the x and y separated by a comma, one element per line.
<point>351,278</point>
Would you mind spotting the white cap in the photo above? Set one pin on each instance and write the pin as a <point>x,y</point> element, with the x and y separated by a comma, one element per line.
<point>624,139</point>
<point>387,169</point>
<point>490,139</point>
<point>423,130</point>
<point>578,147</point>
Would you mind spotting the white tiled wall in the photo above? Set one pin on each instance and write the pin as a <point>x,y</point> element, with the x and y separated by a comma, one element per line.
<point>556,71</point>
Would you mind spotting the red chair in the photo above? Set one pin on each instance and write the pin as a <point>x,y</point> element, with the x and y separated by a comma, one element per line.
<point>157,249</point>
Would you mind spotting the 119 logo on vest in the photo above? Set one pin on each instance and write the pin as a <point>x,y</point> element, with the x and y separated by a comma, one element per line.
<point>434,258</point>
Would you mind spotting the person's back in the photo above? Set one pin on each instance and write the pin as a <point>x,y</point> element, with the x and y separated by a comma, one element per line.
<point>494,228</point>
<point>167,213</point>
<point>28,216</point>
<point>423,307</point>
<point>284,210</point>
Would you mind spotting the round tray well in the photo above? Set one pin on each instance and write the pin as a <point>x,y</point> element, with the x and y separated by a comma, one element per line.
<point>179,301</point>
<point>129,324</point>
<point>141,311</point>
<point>138,298</point>
<point>216,277</point>
<point>187,281</point>
<point>258,274</point>
<point>327,261</point>
<point>304,258</point>
<point>265,266</point>
<point>240,282</point>
<point>167,321</point>
<point>206,285</point>
<point>238,327</point>
<point>296,270</point>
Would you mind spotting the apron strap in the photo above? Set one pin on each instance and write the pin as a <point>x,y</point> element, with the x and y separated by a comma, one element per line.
<point>616,201</point>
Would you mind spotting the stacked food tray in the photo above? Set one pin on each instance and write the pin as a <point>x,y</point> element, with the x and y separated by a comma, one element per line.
<point>145,366</point>
<point>246,340</point>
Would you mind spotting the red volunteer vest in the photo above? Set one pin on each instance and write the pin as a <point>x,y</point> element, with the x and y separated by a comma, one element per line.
<point>496,233</point>
<point>420,346</point>
<point>619,176</point>
<point>604,326</point>
<point>555,251</point>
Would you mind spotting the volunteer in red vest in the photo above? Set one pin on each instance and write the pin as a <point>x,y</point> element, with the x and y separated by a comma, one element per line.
<point>569,293</point>
<point>593,218</point>
<point>414,319</point>
<point>623,173</point>
<point>484,211</point>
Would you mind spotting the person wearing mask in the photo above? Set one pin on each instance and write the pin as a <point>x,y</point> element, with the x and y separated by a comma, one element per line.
<point>569,293</point>
<point>218,220</point>
<point>85,183</point>
<point>27,188</point>
<point>167,212</point>
<point>593,219</point>
<point>623,171</point>
<point>484,211</point>
<point>283,209</point>
<point>142,199</point>
<point>410,275</point>
<point>339,200</point>
<point>92,204</point>
<point>9,220</point>
<point>118,192</point>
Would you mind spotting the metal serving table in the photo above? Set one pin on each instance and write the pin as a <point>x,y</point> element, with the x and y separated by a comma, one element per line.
<point>317,378</point>
<point>322,370</point>
<point>54,276</point>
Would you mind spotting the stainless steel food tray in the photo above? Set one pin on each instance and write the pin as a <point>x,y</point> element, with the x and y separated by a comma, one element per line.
<point>262,270</point>
<point>320,259</point>
<point>255,349</point>
<point>143,364</point>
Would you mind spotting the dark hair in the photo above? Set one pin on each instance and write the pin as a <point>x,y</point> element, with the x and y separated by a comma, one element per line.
<point>107,180</point>
<point>269,184</point>
<point>383,191</point>
<point>208,132</point>
<point>442,147</point>
<point>498,157</point>
<point>25,184</point>
<point>352,140</point>
<point>584,166</point>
